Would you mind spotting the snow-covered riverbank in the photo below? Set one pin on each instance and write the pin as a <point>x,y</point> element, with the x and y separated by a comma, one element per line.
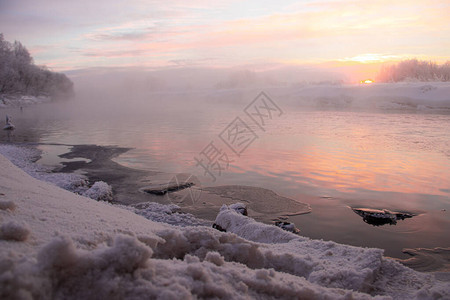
<point>56,244</point>
<point>20,100</point>
<point>422,97</point>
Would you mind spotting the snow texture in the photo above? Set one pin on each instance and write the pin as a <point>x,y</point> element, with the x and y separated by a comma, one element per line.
<point>7,205</point>
<point>166,213</point>
<point>14,231</point>
<point>233,221</point>
<point>79,248</point>
<point>16,101</point>
<point>240,208</point>
<point>25,157</point>
<point>100,190</point>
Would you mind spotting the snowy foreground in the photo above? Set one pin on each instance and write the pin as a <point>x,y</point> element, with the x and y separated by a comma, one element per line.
<point>57,244</point>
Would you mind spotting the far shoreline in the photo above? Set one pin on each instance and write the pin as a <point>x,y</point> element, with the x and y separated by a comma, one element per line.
<point>17,101</point>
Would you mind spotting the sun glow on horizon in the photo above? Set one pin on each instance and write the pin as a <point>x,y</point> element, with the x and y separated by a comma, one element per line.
<point>367,81</point>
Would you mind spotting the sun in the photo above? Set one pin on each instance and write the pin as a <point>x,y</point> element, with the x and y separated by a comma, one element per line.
<point>367,81</point>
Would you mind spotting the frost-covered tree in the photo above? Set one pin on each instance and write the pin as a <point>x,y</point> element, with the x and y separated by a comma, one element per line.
<point>415,70</point>
<point>19,75</point>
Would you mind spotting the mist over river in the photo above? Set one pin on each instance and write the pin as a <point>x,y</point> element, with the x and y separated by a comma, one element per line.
<point>331,155</point>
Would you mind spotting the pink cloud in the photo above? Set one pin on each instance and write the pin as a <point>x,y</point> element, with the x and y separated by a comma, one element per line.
<point>103,32</point>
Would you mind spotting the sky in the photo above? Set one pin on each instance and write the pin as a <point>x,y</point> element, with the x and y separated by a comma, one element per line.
<point>70,35</point>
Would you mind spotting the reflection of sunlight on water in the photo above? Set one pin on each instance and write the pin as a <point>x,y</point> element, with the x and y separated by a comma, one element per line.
<point>344,156</point>
<point>357,159</point>
<point>345,151</point>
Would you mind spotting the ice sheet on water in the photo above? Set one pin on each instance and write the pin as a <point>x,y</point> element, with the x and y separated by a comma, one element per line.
<point>25,157</point>
<point>422,259</point>
<point>260,200</point>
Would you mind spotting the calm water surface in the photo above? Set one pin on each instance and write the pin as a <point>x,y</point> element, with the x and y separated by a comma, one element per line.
<point>397,160</point>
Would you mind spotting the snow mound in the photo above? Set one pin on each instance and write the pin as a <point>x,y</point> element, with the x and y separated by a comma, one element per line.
<point>126,270</point>
<point>7,205</point>
<point>14,231</point>
<point>328,263</point>
<point>72,182</point>
<point>100,190</point>
<point>233,221</point>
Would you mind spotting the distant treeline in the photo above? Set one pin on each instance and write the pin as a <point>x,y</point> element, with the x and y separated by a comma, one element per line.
<point>19,75</point>
<point>415,70</point>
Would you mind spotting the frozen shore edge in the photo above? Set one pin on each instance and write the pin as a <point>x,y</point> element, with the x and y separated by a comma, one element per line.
<point>7,101</point>
<point>56,244</point>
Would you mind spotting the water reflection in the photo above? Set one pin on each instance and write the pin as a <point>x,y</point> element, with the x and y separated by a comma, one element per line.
<point>326,150</point>
<point>395,161</point>
<point>350,152</point>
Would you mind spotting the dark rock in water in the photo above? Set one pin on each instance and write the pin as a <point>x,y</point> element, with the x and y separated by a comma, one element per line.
<point>162,189</point>
<point>287,226</point>
<point>379,217</point>
<point>218,227</point>
<point>9,127</point>
<point>240,208</point>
